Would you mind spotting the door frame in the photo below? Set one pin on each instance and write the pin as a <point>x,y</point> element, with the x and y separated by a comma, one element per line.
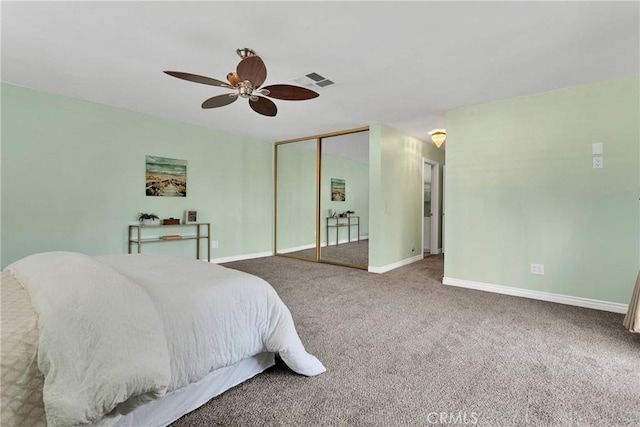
<point>435,205</point>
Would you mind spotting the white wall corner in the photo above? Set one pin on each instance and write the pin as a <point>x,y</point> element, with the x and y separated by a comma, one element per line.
<point>395,265</point>
<point>614,307</point>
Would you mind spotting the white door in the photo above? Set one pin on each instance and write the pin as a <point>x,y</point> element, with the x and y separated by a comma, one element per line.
<point>426,238</point>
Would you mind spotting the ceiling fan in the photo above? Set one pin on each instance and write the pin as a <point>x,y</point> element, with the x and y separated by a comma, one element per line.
<point>246,81</point>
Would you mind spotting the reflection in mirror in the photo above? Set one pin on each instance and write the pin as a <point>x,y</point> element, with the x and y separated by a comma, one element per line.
<point>344,199</point>
<point>295,199</point>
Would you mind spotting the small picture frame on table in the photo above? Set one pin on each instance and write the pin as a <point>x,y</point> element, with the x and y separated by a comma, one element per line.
<point>190,217</point>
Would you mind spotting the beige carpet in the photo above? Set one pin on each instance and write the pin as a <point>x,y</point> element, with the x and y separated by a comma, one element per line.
<point>401,349</point>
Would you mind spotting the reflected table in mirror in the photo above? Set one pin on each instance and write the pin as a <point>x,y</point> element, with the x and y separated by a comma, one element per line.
<point>342,222</point>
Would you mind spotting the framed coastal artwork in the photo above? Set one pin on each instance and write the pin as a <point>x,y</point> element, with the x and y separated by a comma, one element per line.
<point>166,177</point>
<point>338,190</point>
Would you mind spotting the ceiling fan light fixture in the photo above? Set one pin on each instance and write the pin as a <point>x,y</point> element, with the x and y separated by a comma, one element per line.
<point>438,136</point>
<point>233,79</point>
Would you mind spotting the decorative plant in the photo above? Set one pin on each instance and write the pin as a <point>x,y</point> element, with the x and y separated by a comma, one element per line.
<point>350,212</point>
<point>148,216</point>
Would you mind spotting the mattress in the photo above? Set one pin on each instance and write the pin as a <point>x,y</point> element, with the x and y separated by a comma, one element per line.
<point>22,382</point>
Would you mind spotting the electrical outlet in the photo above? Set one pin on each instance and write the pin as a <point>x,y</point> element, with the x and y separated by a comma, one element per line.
<point>215,244</point>
<point>537,269</point>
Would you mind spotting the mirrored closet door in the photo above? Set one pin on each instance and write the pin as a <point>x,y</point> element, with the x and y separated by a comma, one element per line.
<point>322,198</point>
<point>344,199</point>
<point>295,199</point>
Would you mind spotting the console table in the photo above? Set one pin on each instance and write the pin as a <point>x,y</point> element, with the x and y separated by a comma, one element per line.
<point>137,238</point>
<point>338,222</point>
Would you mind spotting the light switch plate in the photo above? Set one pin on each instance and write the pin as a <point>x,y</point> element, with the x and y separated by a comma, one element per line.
<point>597,148</point>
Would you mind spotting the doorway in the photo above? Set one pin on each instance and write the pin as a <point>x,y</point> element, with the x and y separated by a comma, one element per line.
<point>431,207</point>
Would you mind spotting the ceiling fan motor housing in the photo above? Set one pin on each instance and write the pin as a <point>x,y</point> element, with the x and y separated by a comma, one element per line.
<point>245,89</point>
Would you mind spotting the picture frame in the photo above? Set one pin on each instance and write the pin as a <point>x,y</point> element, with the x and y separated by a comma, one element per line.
<point>165,177</point>
<point>190,217</point>
<point>338,190</point>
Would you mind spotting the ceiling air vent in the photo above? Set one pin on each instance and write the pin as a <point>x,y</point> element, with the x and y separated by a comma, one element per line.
<point>313,80</point>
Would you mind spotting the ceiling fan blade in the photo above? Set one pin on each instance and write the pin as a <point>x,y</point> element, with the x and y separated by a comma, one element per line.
<point>253,69</point>
<point>220,100</point>
<point>290,92</point>
<point>198,79</point>
<point>264,106</point>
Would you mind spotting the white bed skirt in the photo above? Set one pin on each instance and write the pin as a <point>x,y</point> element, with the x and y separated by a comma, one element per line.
<point>163,412</point>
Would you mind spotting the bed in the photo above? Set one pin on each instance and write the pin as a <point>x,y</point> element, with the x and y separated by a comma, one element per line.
<point>131,340</point>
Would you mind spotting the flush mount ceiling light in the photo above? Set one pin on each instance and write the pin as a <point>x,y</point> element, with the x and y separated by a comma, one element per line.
<point>438,136</point>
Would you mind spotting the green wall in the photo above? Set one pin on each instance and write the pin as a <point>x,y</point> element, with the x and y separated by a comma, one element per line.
<point>521,189</point>
<point>73,179</point>
<point>395,195</point>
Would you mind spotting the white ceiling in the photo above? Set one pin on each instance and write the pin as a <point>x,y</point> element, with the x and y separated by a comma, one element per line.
<point>401,64</point>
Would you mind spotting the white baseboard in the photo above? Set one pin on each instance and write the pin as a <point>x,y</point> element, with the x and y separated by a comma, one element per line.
<point>297,248</point>
<point>435,252</point>
<point>222,260</point>
<point>395,265</point>
<point>614,307</point>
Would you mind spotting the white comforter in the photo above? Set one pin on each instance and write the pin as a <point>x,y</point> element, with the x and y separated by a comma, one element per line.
<point>116,331</point>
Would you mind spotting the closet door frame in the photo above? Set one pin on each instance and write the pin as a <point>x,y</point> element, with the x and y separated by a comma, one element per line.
<point>318,242</point>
